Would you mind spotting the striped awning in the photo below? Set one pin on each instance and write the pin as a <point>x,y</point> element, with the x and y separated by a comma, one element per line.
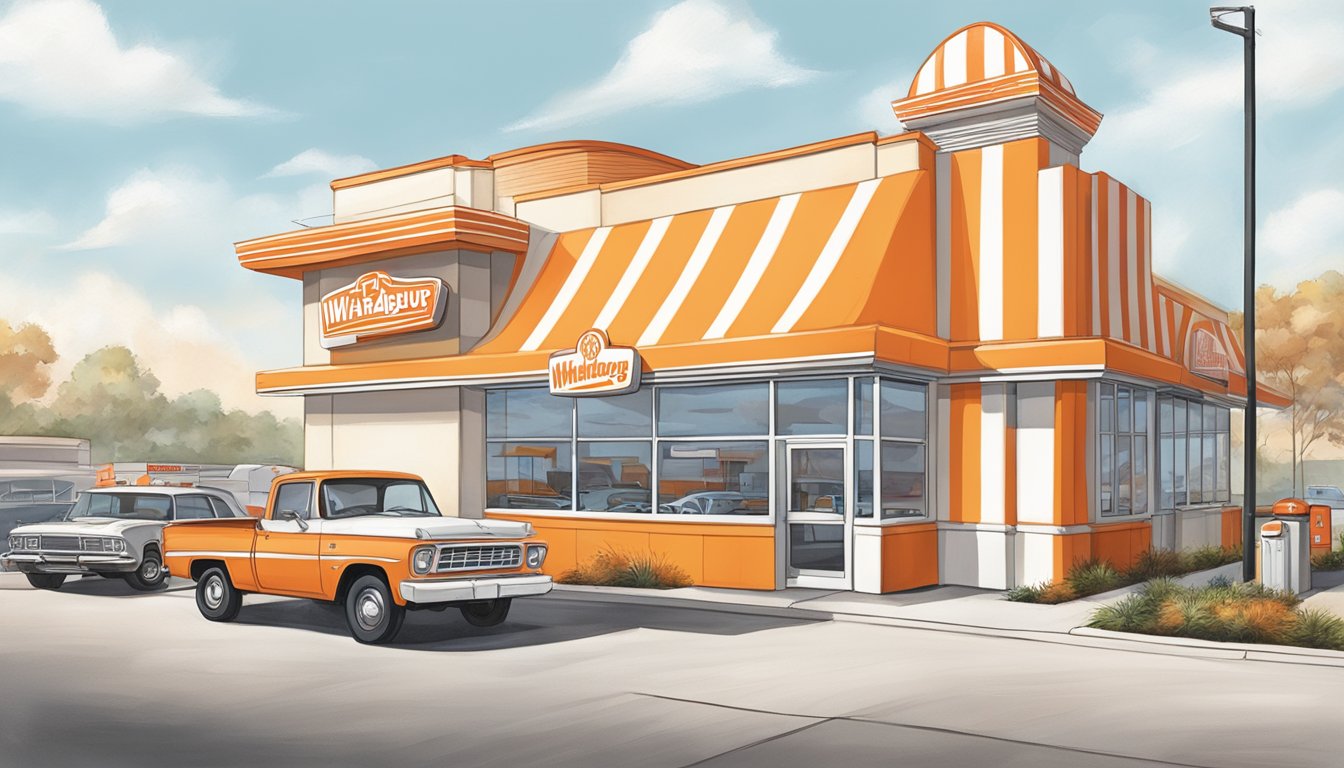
<point>797,263</point>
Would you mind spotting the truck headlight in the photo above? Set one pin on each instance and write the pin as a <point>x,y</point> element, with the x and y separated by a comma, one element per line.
<point>15,542</point>
<point>91,544</point>
<point>31,542</point>
<point>536,555</point>
<point>115,545</point>
<point>423,560</point>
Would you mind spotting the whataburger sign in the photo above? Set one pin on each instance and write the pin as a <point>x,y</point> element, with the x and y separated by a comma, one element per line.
<point>1206,355</point>
<point>377,304</point>
<point>594,367</point>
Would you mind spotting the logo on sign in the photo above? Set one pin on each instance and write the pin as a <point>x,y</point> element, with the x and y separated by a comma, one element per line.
<point>377,304</point>
<point>594,367</point>
<point>1207,356</point>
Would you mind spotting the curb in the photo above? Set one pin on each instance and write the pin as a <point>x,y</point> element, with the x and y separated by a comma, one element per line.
<point>1077,636</point>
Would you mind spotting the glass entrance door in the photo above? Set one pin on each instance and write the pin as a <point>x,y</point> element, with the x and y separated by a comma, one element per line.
<point>817,516</point>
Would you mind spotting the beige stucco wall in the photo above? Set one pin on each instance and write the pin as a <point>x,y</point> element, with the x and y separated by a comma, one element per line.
<point>563,213</point>
<point>413,192</point>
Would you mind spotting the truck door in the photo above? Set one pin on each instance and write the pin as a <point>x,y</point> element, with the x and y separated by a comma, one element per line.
<point>286,550</point>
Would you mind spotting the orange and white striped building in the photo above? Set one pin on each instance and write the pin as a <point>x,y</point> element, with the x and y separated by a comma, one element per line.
<point>873,363</point>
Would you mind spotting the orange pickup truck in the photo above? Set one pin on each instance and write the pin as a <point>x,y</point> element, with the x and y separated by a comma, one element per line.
<point>373,541</point>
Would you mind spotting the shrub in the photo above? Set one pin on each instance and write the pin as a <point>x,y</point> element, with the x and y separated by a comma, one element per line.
<point>613,568</point>
<point>1328,561</point>
<point>1204,558</point>
<point>1052,594</point>
<point>1128,614</point>
<point>1318,629</point>
<point>1093,576</point>
<point>1027,593</point>
<point>1154,563</point>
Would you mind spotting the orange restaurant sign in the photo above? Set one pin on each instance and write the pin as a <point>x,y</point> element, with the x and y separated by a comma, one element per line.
<point>377,304</point>
<point>594,367</point>
<point>1207,357</point>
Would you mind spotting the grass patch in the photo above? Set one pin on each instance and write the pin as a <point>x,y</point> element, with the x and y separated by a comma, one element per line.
<point>1247,613</point>
<point>614,568</point>
<point>1330,561</point>
<point>1092,577</point>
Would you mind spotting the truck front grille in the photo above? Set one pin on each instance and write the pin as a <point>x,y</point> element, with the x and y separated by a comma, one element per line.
<point>60,543</point>
<point>479,556</point>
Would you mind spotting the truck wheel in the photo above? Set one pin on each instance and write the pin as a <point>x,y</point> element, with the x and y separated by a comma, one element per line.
<point>46,580</point>
<point>150,575</point>
<point>370,612</point>
<point>486,613</point>
<point>216,596</point>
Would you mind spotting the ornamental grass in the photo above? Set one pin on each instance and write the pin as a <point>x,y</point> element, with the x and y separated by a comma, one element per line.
<point>1094,576</point>
<point>1332,560</point>
<point>1246,613</point>
<point>616,568</point>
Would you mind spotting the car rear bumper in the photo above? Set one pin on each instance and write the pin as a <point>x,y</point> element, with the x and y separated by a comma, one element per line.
<point>424,591</point>
<point>38,562</point>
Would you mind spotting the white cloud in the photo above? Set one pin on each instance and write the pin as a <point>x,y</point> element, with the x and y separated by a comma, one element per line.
<point>31,222</point>
<point>695,51</point>
<point>183,345</point>
<point>61,57</point>
<point>1299,61</point>
<point>874,108</point>
<point>325,164</point>
<point>176,206</point>
<point>1303,239</point>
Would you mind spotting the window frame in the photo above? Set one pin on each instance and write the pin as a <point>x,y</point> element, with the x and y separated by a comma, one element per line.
<point>1196,434</point>
<point>1136,433</point>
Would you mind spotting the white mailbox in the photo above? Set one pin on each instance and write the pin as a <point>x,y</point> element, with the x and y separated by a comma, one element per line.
<point>1285,556</point>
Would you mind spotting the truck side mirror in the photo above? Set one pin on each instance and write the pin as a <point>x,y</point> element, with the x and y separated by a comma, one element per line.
<point>289,514</point>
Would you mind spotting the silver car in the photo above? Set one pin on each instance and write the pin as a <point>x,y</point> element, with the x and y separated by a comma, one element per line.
<point>115,532</point>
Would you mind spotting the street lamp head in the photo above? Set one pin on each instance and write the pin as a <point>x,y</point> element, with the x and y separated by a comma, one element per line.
<point>1217,13</point>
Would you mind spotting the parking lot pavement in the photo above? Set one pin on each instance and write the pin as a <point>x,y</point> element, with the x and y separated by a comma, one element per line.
<point>96,674</point>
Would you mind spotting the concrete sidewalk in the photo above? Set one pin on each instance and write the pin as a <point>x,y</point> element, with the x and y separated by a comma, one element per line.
<point>967,610</point>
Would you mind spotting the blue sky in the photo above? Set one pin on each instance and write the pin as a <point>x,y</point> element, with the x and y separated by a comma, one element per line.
<point>142,138</point>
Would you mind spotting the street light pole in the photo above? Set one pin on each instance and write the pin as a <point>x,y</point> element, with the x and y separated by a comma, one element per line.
<point>1247,34</point>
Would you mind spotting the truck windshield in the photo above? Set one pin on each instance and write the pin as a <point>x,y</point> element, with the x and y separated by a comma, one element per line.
<point>399,498</point>
<point>131,506</point>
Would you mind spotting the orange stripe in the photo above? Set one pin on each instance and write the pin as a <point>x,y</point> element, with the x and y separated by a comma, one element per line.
<point>813,221</point>
<point>1071,505</point>
<point>975,54</point>
<point>1122,253</point>
<point>1102,235</point>
<point>683,234</point>
<point>720,274</point>
<point>903,264</point>
<point>1145,299</point>
<point>617,252</point>
<point>1077,256</point>
<point>964,452</point>
<point>1022,160</point>
<point>1010,470</point>
<point>965,223</point>
<point>564,254</point>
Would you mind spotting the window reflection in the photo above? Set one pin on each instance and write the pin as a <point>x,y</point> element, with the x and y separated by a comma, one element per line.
<point>714,478</point>
<point>727,409</point>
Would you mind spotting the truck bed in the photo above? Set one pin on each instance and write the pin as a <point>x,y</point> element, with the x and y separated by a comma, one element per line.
<point>224,540</point>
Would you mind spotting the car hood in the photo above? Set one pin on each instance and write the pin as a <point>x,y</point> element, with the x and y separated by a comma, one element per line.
<point>428,528</point>
<point>91,526</point>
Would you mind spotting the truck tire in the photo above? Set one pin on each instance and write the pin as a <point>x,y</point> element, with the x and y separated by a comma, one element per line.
<point>216,596</point>
<point>370,612</point>
<point>151,574</point>
<point>46,580</point>
<point>486,613</point>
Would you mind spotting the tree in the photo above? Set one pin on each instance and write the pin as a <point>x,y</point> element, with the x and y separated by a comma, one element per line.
<point>1300,350</point>
<point>25,353</point>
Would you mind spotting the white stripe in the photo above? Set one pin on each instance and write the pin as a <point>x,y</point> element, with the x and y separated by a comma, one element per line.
<point>760,259</point>
<point>991,243</point>
<point>1177,340</point>
<point>993,464</point>
<point>633,272</point>
<point>1132,256</point>
<point>1148,271</point>
<point>925,82</point>
<point>1113,257</point>
<point>561,302</point>
<point>281,556</point>
<point>1019,63</point>
<point>829,256</point>
<point>1045,67</point>
<point>1166,342</point>
<point>954,61</point>
<point>1035,427</point>
<point>359,557</point>
<point>1230,345</point>
<point>1096,266</point>
<point>943,242</point>
<point>1064,81</point>
<point>1050,256</point>
<point>708,239</point>
<point>205,553</point>
<point>993,52</point>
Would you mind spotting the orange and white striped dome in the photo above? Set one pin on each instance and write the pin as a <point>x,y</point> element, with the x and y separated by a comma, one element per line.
<point>980,52</point>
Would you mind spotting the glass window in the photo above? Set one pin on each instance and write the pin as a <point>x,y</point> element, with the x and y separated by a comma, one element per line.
<point>1194,473</point>
<point>1140,412</point>
<point>1105,469</point>
<point>620,416</point>
<point>192,508</point>
<point>1209,473</point>
<point>1224,465</point>
<point>811,407</point>
<point>1122,425</point>
<point>1122,410</point>
<point>863,406</point>
<point>863,479</point>
<point>903,473</point>
<point>714,477</point>
<point>1123,475</point>
<point>296,498</point>
<point>904,412</point>
<point>357,497</point>
<point>817,481</point>
<point>1180,412</point>
<point>1224,419</point>
<point>726,409</point>
<point>1178,468</point>
<point>528,475</point>
<point>515,413</point>
<point>616,476</point>
<point>1196,412</point>
<point>1140,471</point>
<point>221,507</point>
<point>1164,418</point>
<point>1211,418</point>
<point>1166,472</point>
<point>1106,408</point>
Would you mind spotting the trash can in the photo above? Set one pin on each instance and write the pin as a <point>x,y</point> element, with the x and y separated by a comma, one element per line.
<point>1285,547</point>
